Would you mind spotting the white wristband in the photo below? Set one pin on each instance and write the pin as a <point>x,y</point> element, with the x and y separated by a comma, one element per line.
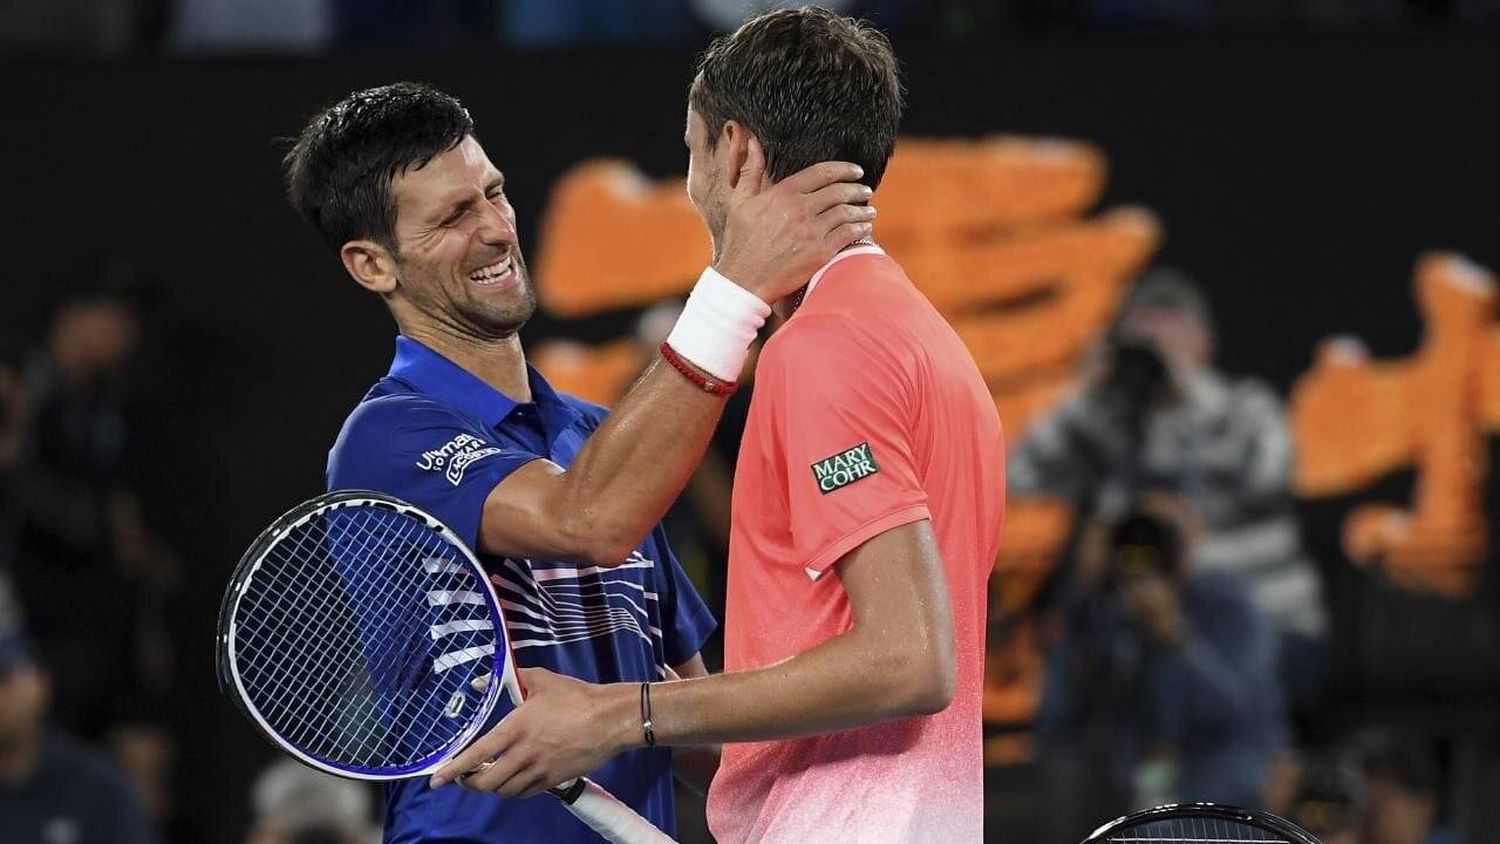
<point>717,325</point>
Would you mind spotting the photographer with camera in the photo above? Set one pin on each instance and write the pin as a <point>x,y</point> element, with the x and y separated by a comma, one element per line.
<point>1153,413</point>
<point>1161,686</point>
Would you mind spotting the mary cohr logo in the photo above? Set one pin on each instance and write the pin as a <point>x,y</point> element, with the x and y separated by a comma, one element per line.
<point>844,468</point>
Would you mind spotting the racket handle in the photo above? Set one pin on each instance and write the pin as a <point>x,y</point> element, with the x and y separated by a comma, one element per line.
<point>606,815</point>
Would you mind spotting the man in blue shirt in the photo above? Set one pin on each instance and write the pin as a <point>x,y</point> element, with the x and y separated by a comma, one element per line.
<point>560,503</point>
<point>436,435</point>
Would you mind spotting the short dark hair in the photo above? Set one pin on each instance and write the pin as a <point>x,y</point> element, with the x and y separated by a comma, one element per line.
<point>339,171</point>
<point>1170,288</point>
<point>812,85</point>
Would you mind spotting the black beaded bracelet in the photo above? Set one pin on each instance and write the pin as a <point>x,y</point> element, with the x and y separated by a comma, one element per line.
<point>646,731</point>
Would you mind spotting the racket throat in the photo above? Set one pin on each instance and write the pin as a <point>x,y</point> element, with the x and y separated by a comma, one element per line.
<point>569,792</point>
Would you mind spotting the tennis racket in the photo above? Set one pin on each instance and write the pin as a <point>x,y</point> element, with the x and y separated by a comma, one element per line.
<point>362,637</point>
<point>1201,823</point>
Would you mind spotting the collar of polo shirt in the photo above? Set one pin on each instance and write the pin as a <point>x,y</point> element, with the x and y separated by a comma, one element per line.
<point>860,247</point>
<point>437,376</point>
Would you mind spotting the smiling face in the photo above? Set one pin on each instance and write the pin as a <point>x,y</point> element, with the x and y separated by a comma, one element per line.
<point>457,268</point>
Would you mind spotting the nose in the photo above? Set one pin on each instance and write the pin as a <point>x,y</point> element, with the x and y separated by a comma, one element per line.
<point>498,223</point>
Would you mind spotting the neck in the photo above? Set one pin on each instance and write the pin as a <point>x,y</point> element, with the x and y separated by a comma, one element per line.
<point>499,362</point>
<point>18,757</point>
<point>788,305</point>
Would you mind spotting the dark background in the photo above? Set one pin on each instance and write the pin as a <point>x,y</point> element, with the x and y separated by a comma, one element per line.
<point>1298,176</point>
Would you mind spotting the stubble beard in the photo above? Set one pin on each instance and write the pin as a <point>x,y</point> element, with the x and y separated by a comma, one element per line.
<point>474,319</point>
<point>716,221</point>
<point>506,319</point>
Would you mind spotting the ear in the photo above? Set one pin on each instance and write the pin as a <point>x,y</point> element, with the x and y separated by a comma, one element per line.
<point>734,147</point>
<point>370,264</point>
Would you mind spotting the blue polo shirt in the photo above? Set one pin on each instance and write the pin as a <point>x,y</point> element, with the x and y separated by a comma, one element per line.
<point>435,435</point>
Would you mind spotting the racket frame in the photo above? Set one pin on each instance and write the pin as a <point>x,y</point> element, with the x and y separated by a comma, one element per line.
<point>502,663</point>
<point>1206,811</point>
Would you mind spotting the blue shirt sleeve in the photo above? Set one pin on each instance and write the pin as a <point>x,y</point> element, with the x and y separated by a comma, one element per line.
<point>424,453</point>
<point>686,620</point>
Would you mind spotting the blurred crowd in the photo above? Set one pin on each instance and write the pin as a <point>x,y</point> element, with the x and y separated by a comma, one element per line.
<point>83,581</point>
<point>86,755</point>
<point>178,26</point>
<point>1383,787</point>
<point>1187,633</point>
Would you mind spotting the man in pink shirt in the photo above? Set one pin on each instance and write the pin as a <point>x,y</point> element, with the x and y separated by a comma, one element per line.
<point>867,508</point>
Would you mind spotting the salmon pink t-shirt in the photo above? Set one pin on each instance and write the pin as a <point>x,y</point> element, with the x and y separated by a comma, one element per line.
<point>868,414</point>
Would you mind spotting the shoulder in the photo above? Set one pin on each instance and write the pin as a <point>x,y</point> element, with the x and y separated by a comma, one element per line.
<point>393,413</point>
<point>593,414</point>
<point>866,306</point>
<point>868,288</point>
<point>830,358</point>
<point>822,339</point>
<point>1251,396</point>
<point>1079,414</point>
<point>855,270</point>
<point>1076,407</point>
<point>399,429</point>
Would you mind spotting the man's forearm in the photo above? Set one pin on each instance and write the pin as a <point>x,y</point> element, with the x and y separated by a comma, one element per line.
<point>628,473</point>
<point>898,659</point>
<point>773,240</point>
<point>838,685</point>
<point>631,470</point>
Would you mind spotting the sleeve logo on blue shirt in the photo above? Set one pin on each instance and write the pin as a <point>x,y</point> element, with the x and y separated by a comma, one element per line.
<point>455,456</point>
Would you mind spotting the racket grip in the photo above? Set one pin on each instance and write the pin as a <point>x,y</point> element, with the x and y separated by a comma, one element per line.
<point>606,815</point>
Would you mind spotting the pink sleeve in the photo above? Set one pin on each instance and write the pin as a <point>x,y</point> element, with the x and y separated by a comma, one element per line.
<point>843,407</point>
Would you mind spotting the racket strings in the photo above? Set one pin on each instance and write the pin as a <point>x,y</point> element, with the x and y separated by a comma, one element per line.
<point>348,633</point>
<point>1197,831</point>
<point>399,663</point>
<point>350,676</point>
<point>327,625</point>
<point>321,624</point>
<point>263,657</point>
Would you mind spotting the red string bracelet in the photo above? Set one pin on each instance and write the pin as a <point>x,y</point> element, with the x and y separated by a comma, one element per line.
<point>706,383</point>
